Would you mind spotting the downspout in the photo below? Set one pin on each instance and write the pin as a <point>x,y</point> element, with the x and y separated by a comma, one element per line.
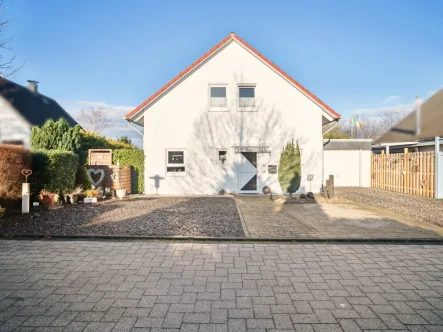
<point>129,124</point>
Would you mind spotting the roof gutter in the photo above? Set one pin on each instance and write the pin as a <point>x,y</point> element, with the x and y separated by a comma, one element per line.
<point>129,124</point>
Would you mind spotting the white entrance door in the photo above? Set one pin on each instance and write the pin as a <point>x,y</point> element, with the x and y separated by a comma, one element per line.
<point>247,175</point>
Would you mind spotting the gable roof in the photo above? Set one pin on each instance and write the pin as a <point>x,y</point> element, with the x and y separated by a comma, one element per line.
<point>34,107</point>
<point>232,36</point>
<point>430,123</point>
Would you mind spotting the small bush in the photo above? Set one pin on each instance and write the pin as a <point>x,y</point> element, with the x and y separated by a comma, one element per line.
<point>136,159</point>
<point>82,178</point>
<point>13,159</point>
<point>56,171</point>
<point>289,168</point>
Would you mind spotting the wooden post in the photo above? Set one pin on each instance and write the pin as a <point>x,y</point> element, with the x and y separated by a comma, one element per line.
<point>405,170</point>
<point>382,185</point>
<point>331,185</point>
<point>26,197</point>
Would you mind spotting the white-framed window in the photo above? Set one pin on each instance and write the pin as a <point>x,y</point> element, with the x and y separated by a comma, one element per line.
<point>175,162</point>
<point>246,97</point>
<point>222,157</point>
<point>218,99</point>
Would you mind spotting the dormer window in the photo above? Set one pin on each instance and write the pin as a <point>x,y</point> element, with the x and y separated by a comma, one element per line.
<point>217,98</point>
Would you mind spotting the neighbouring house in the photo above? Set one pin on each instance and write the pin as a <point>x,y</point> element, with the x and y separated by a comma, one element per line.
<point>223,122</point>
<point>423,145</point>
<point>420,131</point>
<point>23,107</point>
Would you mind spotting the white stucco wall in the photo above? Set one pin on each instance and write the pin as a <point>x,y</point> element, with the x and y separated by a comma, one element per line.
<point>350,168</point>
<point>12,126</point>
<point>181,119</point>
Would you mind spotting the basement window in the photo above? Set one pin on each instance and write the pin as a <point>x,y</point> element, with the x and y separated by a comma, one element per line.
<point>175,163</point>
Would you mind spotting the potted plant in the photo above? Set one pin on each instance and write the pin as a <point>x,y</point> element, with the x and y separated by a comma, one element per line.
<point>100,192</point>
<point>90,196</point>
<point>47,198</point>
<point>75,194</point>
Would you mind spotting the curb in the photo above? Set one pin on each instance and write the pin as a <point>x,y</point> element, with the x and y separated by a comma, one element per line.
<point>437,241</point>
<point>242,220</point>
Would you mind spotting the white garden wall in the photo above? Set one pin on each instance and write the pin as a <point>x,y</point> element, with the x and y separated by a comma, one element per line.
<point>351,168</point>
<point>181,119</point>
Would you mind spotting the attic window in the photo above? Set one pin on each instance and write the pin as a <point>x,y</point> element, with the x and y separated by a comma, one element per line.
<point>217,97</point>
<point>246,97</point>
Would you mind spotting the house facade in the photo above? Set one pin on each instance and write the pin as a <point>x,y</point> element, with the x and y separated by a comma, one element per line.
<point>223,122</point>
<point>23,107</point>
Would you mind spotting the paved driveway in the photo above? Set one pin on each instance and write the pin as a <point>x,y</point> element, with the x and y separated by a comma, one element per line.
<point>269,219</point>
<point>148,286</point>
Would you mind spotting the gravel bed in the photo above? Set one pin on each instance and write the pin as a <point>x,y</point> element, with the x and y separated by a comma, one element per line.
<point>427,210</point>
<point>141,216</point>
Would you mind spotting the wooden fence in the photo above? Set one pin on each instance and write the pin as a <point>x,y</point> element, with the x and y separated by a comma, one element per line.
<point>108,181</point>
<point>409,173</point>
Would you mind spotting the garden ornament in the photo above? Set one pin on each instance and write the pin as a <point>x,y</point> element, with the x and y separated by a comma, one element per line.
<point>26,173</point>
<point>96,171</point>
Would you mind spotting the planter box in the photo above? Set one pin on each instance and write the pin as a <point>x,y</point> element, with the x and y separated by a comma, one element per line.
<point>90,200</point>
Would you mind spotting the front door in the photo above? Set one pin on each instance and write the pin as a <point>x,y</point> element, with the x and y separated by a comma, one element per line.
<point>248,172</point>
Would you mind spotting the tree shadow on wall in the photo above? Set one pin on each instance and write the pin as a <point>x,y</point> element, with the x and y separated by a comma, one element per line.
<point>214,130</point>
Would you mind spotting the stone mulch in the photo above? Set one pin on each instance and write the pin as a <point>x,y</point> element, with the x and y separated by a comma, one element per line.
<point>138,216</point>
<point>427,210</point>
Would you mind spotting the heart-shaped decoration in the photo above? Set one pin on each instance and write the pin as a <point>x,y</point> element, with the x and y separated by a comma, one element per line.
<point>96,171</point>
<point>26,173</point>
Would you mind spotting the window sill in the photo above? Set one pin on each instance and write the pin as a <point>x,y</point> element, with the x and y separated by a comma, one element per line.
<point>176,174</point>
<point>218,109</point>
<point>247,109</point>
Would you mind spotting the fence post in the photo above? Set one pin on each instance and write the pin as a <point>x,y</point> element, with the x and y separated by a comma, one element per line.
<point>405,170</point>
<point>437,187</point>
<point>382,184</point>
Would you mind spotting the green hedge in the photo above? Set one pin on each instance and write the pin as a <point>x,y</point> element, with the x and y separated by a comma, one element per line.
<point>136,159</point>
<point>53,170</point>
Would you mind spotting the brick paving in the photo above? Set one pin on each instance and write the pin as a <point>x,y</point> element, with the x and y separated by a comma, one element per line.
<point>155,286</point>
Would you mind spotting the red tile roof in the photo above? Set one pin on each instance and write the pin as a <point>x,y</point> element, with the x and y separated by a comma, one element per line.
<point>213,50</point>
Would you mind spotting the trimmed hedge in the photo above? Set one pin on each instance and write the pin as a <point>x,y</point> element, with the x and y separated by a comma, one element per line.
<point>136,159</point>
<point>55,171</point>
<point>13,159</point>
<point>82,178</point>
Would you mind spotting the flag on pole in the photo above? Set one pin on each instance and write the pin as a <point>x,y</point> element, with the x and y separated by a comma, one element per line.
<point>356,123</point>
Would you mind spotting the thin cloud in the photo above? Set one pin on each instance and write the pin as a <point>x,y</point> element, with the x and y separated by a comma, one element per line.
<point>405,108</point>
<point>392,98</point>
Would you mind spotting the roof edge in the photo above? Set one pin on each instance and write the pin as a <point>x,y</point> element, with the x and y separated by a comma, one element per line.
<point>231,36</point>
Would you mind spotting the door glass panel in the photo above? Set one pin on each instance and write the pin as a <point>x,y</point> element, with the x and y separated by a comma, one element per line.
<point>251,157</point>
<point>251,185</point>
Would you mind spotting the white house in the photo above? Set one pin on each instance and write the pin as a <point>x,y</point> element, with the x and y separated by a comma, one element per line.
<point>23,107</point>
<point>222,124</point>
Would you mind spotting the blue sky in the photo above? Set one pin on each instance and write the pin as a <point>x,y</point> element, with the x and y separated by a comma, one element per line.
<point>357,56</point>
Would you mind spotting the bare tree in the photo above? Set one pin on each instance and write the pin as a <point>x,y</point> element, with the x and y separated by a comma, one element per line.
<point>7,67</point>
<point>94,119</point>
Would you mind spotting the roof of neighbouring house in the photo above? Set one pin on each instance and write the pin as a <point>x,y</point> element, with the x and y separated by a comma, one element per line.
<point>34,107</point>
<point>232,36</point>
<point>431,123</point>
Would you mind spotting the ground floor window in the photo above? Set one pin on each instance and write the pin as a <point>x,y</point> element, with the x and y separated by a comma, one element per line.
<point>222,157</point>
<point>175,162</point>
